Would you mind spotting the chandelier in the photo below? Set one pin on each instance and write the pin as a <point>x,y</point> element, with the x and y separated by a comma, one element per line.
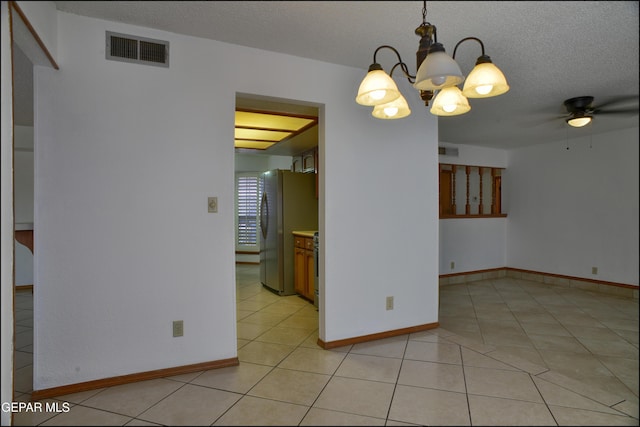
<point>437,72</point>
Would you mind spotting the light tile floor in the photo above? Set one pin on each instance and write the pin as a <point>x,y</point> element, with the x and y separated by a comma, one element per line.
<point>508,352</point>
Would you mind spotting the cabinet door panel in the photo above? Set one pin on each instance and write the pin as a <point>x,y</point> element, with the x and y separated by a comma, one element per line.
<point>300,276</point>
<point>310,270</point>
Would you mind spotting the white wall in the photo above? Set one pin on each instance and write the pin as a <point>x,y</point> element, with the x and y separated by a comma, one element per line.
<point>6,219</point>
<point>23,174</point>
<point>126,156</point>
<point>23,200</point>
<point>472,155</point>
<point>571,210</point>
<point>379,230</point>
<point>24,265</point>
<point>473,243</point>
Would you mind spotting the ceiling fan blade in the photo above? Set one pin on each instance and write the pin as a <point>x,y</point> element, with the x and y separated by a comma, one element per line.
<point>617,100</point>
<point>543,121</point>
<point>622,111</point>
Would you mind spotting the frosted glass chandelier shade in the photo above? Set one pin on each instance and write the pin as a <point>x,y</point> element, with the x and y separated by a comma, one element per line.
<point>450,102</point>
<point>484,81</point>
<point>437,71</point>
<point>396,109</point>
<point>377,88</point>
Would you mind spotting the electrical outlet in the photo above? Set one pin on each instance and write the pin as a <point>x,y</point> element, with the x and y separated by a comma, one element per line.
<point>213,204</point>
<point>594,270</point>
<point>389,303</point>
<point>453,265</point>
<point>178,328</point>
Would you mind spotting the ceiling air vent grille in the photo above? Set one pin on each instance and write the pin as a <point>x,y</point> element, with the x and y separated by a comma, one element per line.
<point>140,50</point>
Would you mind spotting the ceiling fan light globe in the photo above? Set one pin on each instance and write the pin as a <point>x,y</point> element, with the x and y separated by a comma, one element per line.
<point>376,88</point>
<point>578,122</point>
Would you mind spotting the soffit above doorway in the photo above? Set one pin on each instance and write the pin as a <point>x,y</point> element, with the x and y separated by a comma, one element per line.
<point>260,130</point>
<point>272,114</point>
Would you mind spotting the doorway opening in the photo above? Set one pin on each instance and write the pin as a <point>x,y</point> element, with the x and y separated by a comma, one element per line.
<point>271,325</point>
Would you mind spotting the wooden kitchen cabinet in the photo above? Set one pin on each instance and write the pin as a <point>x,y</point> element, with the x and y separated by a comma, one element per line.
<point>309,161</point>
<point>305,162</point>
<point>304,267</point>
<point>296,164</point>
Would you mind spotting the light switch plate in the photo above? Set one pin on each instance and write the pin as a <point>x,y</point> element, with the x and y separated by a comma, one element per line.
<point>213,204</point>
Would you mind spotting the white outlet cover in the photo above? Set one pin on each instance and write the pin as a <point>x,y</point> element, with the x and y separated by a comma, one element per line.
<point>389,303</point>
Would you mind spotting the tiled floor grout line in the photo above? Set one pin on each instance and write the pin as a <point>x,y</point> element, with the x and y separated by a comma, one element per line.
<point>395,385</point>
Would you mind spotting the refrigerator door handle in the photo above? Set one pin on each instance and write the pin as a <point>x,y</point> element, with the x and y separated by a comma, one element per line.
<point>264,215</point>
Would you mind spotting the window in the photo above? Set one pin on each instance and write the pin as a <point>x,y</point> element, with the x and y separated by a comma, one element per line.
<point>470,191</point>
<point>248,193</point>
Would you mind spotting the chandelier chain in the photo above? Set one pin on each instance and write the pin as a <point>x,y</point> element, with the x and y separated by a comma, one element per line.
<point>424,12</point>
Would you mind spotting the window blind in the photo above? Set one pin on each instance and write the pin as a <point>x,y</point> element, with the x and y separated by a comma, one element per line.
<point>248,192</point>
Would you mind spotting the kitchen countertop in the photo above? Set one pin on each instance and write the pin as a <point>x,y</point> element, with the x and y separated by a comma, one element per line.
<point>303,233</point>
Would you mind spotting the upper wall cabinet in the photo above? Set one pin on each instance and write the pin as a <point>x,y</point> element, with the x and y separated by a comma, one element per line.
<point>296,164</point>
<point>309,161</point>
<point>306,162</point>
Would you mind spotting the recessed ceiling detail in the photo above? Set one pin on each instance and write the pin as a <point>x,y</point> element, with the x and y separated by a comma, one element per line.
<point>260,130</point>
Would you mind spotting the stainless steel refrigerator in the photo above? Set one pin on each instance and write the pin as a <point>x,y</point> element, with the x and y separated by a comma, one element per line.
<point>288,204</point>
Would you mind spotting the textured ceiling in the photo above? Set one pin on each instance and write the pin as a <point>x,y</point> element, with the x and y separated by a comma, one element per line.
<point>549,51</point>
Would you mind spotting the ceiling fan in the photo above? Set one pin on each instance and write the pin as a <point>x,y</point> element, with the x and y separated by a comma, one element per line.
<point>581,109</point>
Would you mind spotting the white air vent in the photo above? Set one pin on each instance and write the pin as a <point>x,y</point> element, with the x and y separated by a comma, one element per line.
<point>140,50</point>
